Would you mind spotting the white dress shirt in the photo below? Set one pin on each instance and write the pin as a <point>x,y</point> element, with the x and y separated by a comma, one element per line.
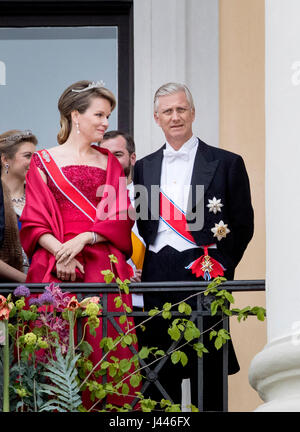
<point>175,181</point>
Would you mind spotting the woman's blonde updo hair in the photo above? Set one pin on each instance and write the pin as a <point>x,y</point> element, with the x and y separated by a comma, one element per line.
<point>11,141</point>
<point>71,100</point>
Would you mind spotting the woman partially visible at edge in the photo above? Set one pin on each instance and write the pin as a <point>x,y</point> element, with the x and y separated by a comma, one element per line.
<point>65,227</point>
<point>16,150</point>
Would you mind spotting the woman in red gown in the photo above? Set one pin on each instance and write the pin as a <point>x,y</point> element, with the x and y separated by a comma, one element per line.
<point>77,205</point>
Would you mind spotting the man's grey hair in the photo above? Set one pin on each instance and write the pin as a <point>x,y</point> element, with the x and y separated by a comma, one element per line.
<point>171,88</point>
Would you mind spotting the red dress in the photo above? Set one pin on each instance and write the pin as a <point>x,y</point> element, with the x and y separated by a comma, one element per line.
<point>47,210</point>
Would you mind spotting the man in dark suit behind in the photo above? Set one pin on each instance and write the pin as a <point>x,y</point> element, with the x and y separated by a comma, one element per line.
<point>219,228</point>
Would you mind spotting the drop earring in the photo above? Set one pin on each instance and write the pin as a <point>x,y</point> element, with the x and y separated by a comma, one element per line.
<point>77,128</point>
<point>6,168</point>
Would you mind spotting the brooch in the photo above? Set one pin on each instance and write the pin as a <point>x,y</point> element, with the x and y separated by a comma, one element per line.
<point>45,156</point>
<point>214,205</point>
<point>220,230</point>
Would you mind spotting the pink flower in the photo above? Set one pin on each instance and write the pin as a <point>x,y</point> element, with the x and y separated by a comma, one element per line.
<point>89,300</point>
<point>61,299</point>
<point>4,308</point>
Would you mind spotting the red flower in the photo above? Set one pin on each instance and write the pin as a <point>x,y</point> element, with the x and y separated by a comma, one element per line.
<point>73,304</point>
<point>4,308</point>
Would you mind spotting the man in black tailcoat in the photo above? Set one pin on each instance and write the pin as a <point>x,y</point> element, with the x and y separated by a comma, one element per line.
<point>209,187</point>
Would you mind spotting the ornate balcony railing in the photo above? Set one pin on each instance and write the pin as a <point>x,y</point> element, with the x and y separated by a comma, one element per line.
<point>82,290</point>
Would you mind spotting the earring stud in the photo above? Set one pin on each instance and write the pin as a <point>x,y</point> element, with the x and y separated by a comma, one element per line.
<point>6,168</point>
<point>77,128</point>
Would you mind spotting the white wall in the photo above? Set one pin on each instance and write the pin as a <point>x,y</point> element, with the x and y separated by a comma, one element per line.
<point>275,371</point>
<point>282,164</point>
<point>175,40</point>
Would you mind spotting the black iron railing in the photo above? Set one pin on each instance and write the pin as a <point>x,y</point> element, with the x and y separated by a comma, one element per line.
<point>188,288</point>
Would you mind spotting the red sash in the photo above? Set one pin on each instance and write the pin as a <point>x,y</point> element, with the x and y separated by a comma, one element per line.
<point>65,186</point>
<point>174,217</point>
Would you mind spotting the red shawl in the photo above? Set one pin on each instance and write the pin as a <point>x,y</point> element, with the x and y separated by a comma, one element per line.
<point>42,215</point>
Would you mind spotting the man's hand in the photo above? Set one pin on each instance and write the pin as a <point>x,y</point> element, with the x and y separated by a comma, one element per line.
<point>137,276</point>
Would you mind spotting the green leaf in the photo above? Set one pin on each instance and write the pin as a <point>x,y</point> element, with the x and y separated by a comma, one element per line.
<point>159,353</point>
<point>128,339</point>
<point>153,312</point>
<point>224,334</point>
<point>125,365</point>
<point>144,352</point>
<point>193,408</point>
<point>147,405</point>
<point>227,311</point>
<point>105,365</point>
<point>86,348</point>
<point>166,315</point>
<point>107,343</point>
<point>118,301</point>
<point>112,370</point>
<point>261,314</point>
<point>229,297</point>
<point>123,285</point>
<point>185,308</point>
<point>122,319</point>
<point>200,348</point>
<point>167,306</point>
<point>181,307</point>
<point>175,357</point>
<point>113,259</point>
<point>108,275</point>
<point>100,394</point>
<point>164,402</point>
<point>125,389</point>
<point>191,332</point>
<point>63,374</point>
<point>218,342</point>
<point>212,334</point>
<point>27,315</point>
<point>135,380</point>
<point>183,359</point>
<point>127,308</point>
<point>188,309</point>
<point>214,307</point>
<point>174,408</point>
<point>92,330</point>
<point>174,333</point>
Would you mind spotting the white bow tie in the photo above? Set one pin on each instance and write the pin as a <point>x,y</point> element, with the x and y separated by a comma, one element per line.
<point>172,155</point>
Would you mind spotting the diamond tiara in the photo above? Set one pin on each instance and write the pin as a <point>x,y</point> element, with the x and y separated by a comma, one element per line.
<point>94,84</point>
<point>12,138</point>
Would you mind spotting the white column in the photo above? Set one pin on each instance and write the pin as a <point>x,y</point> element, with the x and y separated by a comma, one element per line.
<point>175,40</point>
<point>275,372</point>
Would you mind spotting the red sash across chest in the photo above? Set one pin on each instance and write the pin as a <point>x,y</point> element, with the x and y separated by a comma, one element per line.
<point>65,186</point>
<point>205,266</point>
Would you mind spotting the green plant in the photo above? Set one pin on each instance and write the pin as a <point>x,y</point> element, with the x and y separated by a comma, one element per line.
<point>64,388</point>
<point>45,371</point>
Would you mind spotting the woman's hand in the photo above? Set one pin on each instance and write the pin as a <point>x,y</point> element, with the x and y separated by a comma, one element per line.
<point>137,276</point>
<point>67,272</point>
<point>73,247</point>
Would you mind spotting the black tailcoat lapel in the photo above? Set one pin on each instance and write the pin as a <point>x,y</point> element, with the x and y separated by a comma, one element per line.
<point>152,174</point>
<point>202,175</point>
